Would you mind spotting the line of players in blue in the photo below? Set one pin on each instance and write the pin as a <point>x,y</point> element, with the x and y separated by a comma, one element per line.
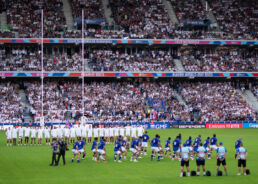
<point>181,152</point>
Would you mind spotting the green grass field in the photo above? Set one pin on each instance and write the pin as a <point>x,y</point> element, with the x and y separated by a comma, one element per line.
<point>31,164</point>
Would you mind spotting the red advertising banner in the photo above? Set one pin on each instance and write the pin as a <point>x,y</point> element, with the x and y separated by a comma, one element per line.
<point>224,125</point>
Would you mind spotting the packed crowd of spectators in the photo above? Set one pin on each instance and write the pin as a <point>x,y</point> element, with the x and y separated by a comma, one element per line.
<point>189,10</point>
<point>219,59</point>
<point>216,101</point>
<point>63,62</point>
<point>62,100</point>
<point>24,16</point>
<point>6,34</point>
<point>238,19</point>
<point>20,59</point>
<point>255,91</point>
<point>142,19</point>
<point>11,110</point>
<point>132,101</point>
<point>128,100</point>
<point>93,9</point>
<point>145,60</point>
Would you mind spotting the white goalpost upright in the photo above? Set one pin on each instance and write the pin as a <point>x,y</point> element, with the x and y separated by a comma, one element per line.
<point>42,122</point>
<point>83,67</point>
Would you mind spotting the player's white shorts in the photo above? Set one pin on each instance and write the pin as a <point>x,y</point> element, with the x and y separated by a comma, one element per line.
<point>73,136</point>
<point>133,135</point>
<point>101,135</point>
<point>33,137</point>
<point>84,135</point>
<point>190,148</point>
<point>9,137</point>
<point>89,134</point>
<point>123,149</point>
<point>213,147</point>
<point>74,151</point>
<point>81,151</point>
<point>20,137</point>
<point>111,135</point>
<point>168,149</point>
<point>107,135</point>
<point>117,152</point>
<point>39,137</point>
<point>47,137</point>
<point>144,144</point>
<point>94,150</point>
<point>116,134</point>
<point>133,150</point>
<point>155,149</point>
<point>128,134</point>
<point>96,136</point>
<point>100,151</point>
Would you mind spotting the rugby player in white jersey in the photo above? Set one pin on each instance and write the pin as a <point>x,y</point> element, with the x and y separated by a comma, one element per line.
<point>27,135</point>
<point>128,132</point>
<point>90,134</point>
<point>140,130</point>
<point>78,132</point>
<point>33,135</point>
<point>20,133</point>
<point>96,131</point>
<point>59,132</point>
<point>9,136</point>
<point>66,134</point>
<point>106,131</point>
<point>116,132</point>
<point>72,135</point>
<point>111,133</point>
<point>40,135</point>
<point>84,132</point>
<point>101,132</point>
<point>122,130</point>
<point>134,131</point>
<point>54,133</point>
<point>14,135</point>
<point>47,135</point>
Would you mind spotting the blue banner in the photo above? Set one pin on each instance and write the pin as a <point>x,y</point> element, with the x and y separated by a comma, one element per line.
<point>250,125</point>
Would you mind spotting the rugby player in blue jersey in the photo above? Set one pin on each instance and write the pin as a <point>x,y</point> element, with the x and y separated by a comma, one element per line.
<point>176,148</point>
<point>101,151</point>
<point>156,148</point>
<point>167,147</point>
<point>213,143</point>
<point>133,149</point>
<point>94,149</point>
<point>118,151</point>
<point>81,148</point>
<point>145,140</point>
<point>75,151</point>
<point>206,145</point>
<point>189,144</point>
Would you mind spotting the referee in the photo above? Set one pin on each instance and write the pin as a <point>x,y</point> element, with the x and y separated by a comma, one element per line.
<point>62,148</point>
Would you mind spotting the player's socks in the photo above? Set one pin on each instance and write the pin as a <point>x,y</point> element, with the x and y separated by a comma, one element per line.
<point>188,174</point>
<point>131,158</point>
<point>152,156</point>
<point>209,155</point>
<point>181,175</point>
<point>198,173</point>
<point>124,157</point>
<point>174,156</point>
<point>120,157</point>
<point>204,173</point>
<point>84,155</point>
<point>78,160</point>
<point>72,159</point>
<point>235,156</point>
<point>115,157</point>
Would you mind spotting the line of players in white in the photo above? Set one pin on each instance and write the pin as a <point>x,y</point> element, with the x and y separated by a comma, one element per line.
<point>84,131</point>
<point>182,152</point>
